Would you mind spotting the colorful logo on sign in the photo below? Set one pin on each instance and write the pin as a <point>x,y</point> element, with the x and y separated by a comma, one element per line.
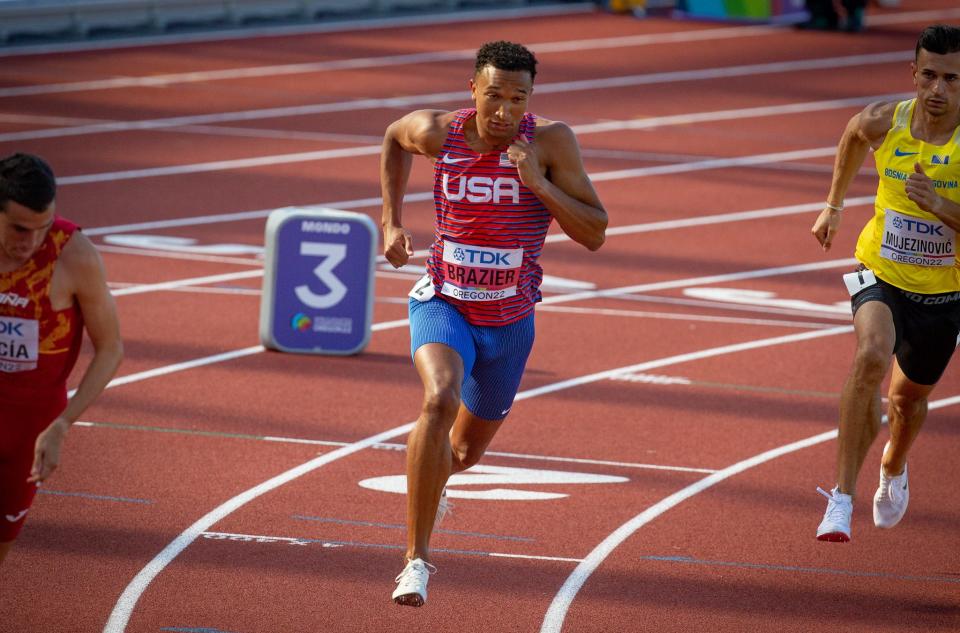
<point>300,322</point>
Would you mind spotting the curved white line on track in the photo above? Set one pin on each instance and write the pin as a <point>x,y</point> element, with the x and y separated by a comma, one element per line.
<point>556,613</point>
<point>123,609</point>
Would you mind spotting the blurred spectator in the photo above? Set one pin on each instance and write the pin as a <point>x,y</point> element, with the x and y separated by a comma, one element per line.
<point>835,15</point>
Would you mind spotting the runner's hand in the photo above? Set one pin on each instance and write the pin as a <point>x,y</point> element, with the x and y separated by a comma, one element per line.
<point>826,227</point>
<point>920,190</point>
<point>524,155</point>
<point>46,454</point>
<point>397,245</point>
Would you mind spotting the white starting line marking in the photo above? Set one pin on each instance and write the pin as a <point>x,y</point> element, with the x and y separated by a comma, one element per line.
<point>255,538</point>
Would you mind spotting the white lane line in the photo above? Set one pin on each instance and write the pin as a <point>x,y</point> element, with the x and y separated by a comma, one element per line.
<point>172,254</point>
<point>388,446</point>
<point>696,281</point>
<point>243,216</point>
<point>406,102</point>
<point>599,462</point>
<point>683,316</point>
<point>302,541</point>
<point>556,613</point>
<point>729,306</point>
<point>375,203</point>
<point>180,283</point>
<point>579,296</point>
<point>357,63</point>
<point>260,161</point>
<point>615,231</point>
<point>594,128</point>
<point>177,367</point>
<point>715,163</point>
<point>223,165</point>
<point>803,107</point>
<point>531,557</point>
<point>682,358</point>
<point>124,607</point>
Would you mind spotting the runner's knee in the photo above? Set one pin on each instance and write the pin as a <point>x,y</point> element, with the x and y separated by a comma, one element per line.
<point>466,455</point>
<point>441,404</point>
<point>871,363</point>
<point>906,407</point>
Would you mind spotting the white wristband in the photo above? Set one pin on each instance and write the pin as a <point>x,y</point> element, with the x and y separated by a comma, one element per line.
<point>834,207</point>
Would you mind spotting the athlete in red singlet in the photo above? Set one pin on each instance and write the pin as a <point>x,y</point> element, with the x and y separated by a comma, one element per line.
<point>501,176</point>
<point>52,286</point>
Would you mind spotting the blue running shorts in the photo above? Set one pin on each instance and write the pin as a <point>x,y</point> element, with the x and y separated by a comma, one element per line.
<point>493,357</point>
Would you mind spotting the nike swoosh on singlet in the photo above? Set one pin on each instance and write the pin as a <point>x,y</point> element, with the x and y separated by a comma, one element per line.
<point>13,518</point>
<point>450,161</point>
<point>897,152</point>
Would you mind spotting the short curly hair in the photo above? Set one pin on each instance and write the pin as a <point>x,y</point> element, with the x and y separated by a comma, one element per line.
<point>506,56</point>
<point>27,180</point>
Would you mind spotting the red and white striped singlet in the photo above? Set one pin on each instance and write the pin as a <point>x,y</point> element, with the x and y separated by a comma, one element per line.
<point>489,230</point>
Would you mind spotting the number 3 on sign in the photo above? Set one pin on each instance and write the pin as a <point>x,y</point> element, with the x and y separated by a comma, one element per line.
<point>333,254</point>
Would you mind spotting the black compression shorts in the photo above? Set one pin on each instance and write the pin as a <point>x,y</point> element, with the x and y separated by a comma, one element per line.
<point>927,327</point>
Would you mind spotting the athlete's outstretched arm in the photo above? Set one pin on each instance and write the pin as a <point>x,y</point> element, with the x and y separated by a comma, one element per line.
<point>563,186</point>
<point>84,270</point>
<point>416,133</point>
<point>865,130</point>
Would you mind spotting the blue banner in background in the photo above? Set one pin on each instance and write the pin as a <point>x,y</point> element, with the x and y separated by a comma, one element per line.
<point>318,281</point>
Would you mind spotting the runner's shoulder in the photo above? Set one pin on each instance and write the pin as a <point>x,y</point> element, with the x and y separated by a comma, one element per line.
<point>876,119</point>
<point>555,133</point>
<point>426,129</point>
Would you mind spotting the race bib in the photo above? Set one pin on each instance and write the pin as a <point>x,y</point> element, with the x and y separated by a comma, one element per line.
<point>859,280</point>
<point>911,240</point>
<point>480,273</point>
<point>423,289</point>
<point>19,344</point>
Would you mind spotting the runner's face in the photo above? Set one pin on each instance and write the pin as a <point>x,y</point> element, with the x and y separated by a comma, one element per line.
<point>501,99</point>
<point>22,231</point>
<point>937,78</point>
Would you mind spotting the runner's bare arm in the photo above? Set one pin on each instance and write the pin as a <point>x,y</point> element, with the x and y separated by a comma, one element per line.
<point>420,132</point>
<point>864,131</point>
<point>85,271</point>
<point>562,183</point>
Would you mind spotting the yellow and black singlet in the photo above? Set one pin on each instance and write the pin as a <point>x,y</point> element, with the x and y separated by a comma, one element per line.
<point>902,244</point>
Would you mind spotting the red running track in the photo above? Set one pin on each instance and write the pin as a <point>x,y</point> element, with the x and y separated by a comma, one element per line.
<point>662,459</point>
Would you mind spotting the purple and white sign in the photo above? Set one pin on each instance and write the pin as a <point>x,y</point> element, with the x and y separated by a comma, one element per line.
<point>318,281</point>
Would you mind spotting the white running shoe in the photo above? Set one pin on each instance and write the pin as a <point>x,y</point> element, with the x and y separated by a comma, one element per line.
<point>443,509</point>
<point>890,501</point>
<point>411,588</point>
<point>835,526</point>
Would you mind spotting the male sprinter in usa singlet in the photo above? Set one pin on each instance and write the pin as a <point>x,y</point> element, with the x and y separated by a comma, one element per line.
<point>52,286</point>
<point>501,176</point>
<point>906,292</point>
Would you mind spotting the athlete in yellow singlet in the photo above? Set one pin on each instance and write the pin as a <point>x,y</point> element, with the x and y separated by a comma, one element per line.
<point>906,292</point>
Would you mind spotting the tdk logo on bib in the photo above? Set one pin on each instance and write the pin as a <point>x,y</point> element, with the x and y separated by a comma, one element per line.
<point>917,226</point>
<point>11,328</point>
<point>481,256</point>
